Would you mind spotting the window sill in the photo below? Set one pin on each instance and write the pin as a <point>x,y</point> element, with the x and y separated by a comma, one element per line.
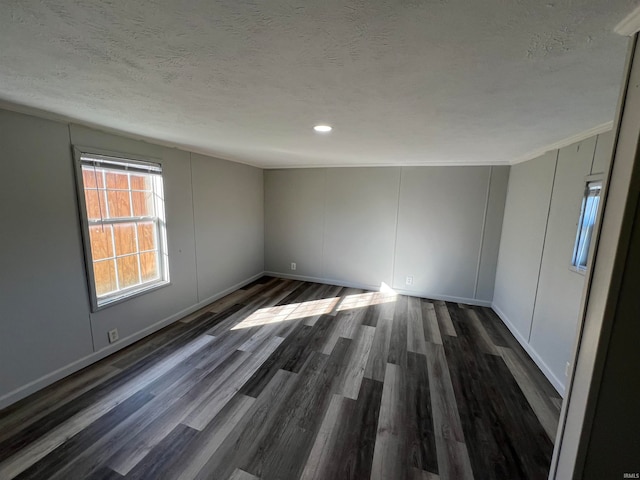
<point>116,299</point>
<point>578,270</point>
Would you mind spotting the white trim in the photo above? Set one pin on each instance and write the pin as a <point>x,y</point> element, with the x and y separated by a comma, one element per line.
<point>340,283</point>
<point>219,295</point>
<point>445,298</point>
<point>364,286</point>
<point>503,163</point>
<point>630,25</point>
<point>62,372</point>
<point>557,384</point>
<point>578,137</point>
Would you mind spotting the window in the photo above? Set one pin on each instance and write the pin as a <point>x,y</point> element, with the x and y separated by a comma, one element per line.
<point>122,207</point>
<point>588,214</point>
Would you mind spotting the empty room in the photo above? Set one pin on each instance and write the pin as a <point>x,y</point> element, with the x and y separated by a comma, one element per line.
<point>360,240</point>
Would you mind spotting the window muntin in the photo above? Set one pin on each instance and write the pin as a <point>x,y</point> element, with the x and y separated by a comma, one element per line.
<point>125,235</point>
<point>588,215</point>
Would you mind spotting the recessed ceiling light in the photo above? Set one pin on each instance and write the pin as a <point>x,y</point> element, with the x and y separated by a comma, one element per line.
<point>323,128</point>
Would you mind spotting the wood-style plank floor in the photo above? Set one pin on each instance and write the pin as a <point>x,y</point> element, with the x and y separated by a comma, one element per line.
<point>286,380</point>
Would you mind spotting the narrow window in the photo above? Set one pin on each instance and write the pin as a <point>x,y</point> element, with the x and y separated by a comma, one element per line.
<point>122,208</point>
<point>588,213</point>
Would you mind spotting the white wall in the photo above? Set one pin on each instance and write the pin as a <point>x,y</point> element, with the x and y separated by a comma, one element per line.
<point>537,292</point>
<point>365,226</point>
<point>46,328</point>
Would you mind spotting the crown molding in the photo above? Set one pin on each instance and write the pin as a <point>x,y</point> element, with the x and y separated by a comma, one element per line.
<point>630,25</point>
<point>27,110</point>
<point>578,137</point>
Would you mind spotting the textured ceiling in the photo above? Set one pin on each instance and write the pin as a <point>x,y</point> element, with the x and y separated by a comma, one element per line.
<point>402,81</point>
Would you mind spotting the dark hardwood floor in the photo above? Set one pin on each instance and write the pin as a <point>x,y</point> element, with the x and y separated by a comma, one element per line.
<point>288,380</point>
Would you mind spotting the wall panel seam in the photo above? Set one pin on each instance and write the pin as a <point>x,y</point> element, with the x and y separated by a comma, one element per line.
<point>395,238</point>
<point>482,233</point>
<point>544,241</point>
<point>593,158</point>
<point>195,236</point>
<point>324,223</point>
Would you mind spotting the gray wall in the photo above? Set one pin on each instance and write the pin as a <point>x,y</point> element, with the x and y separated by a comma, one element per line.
<point>46,328</point>
<point>44,307</point>
<point>229,223</point>
<point>366,226</point>
<point>537,292</point>
<point>359,218</point>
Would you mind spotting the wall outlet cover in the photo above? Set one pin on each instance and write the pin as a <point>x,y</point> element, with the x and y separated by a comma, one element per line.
<point>113,335</point>
<point>409,280</point>
<point>293,265</point>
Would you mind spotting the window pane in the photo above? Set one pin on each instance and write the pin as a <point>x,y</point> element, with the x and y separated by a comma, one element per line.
<point>92,177</point>
<point>149,266</point>
<point>590,204</point>
<point>96,203</point>
<point>142,204</point>
<point>105,277</point>
<point>119,205</point>
<point>116,180</point>
<point>140,182</point>
<point>101,242</point>
<point>125,238</point>
<point>147,236</point>
<point>114,199</point>
<point>128,271</point>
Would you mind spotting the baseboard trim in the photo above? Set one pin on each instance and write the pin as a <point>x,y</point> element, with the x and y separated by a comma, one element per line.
<point>46,380</point>
<point>326,281</point>
<point>341,283</point>
<point>445,298</point>
<point>530,351</point>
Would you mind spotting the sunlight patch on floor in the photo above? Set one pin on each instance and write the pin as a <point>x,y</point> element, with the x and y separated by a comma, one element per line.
<point>281,313</point>
<point>312,308</point>
<point>366,299</point>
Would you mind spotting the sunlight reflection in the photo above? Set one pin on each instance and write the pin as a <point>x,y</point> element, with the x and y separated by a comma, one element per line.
<point>312,308</point>
<point>384,288</point>
<point>365,299</point>
<point>281,313</point>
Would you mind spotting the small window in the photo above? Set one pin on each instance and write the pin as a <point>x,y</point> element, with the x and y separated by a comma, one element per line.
<point>588,214</point>
<point>122,207</point>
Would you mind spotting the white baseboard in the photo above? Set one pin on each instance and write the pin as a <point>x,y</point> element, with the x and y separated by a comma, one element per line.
<point>341,283</point>
<point>48,379</point>
<point>217,296</point>
<point>326,281</point>
<point>445,298</point>
<point>557,384</point>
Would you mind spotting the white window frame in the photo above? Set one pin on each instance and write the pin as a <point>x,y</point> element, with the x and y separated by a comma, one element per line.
<point>123,163</point>
<point>596,181</point>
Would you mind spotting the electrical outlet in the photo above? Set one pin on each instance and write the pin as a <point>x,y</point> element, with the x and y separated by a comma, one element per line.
<point>409,280</point>
<point>113,335</point>
<point>293,265</point>
<point>566,369</point>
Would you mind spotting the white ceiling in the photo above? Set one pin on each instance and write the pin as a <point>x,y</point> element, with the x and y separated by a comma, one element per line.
<point>406,82</point>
